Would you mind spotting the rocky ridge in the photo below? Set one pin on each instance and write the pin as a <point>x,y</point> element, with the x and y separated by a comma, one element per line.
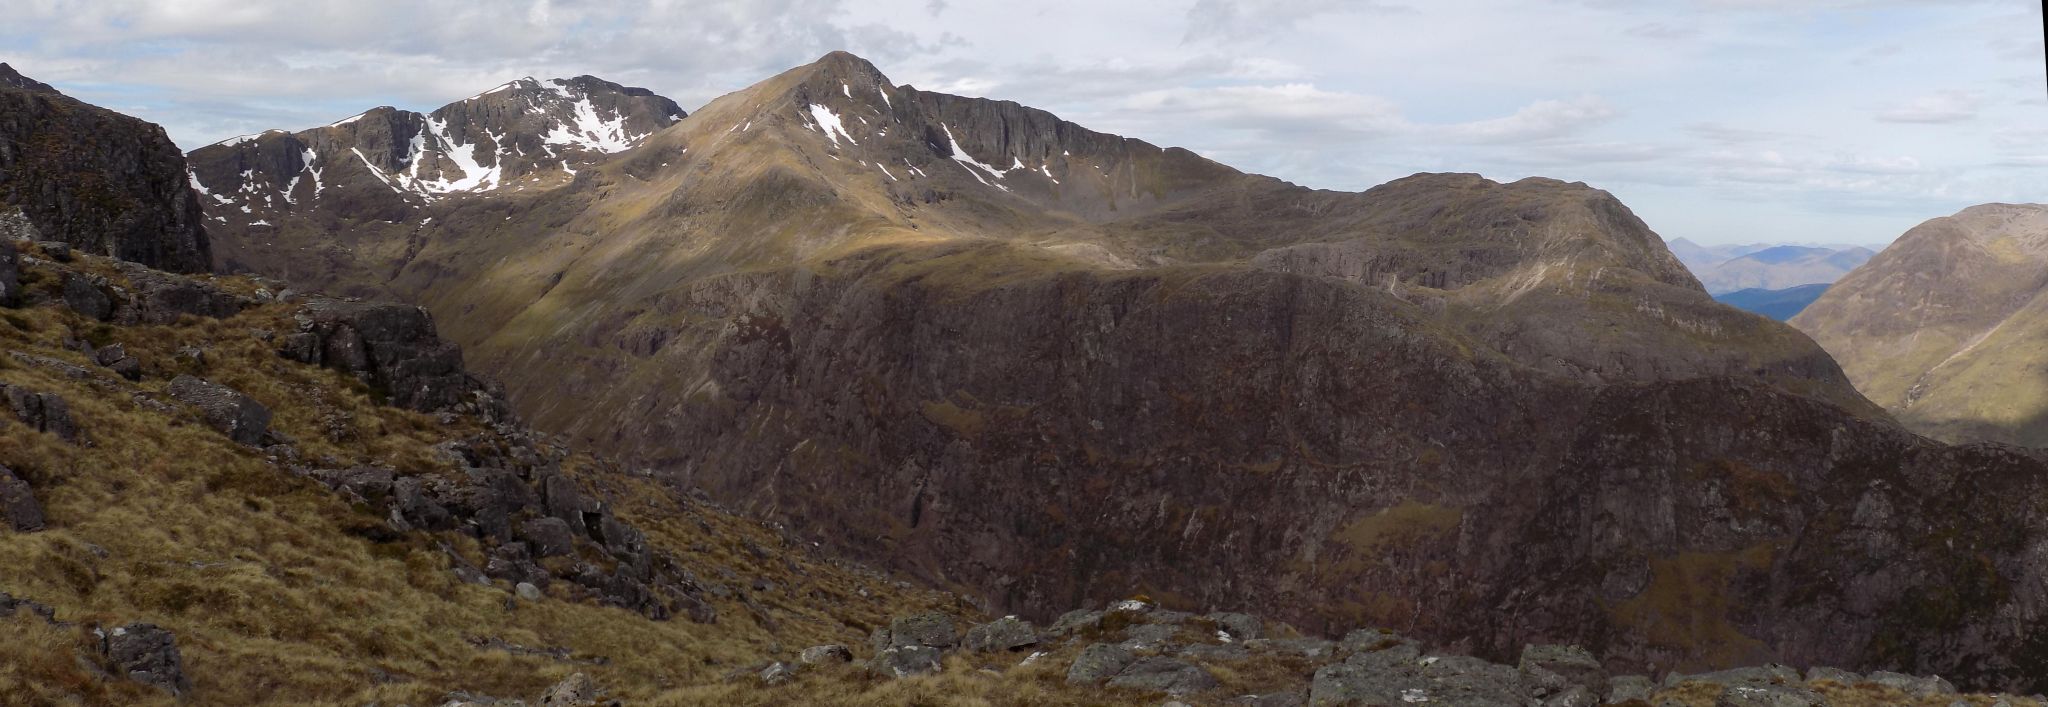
<point>383,165</point>
<point>100,181</point>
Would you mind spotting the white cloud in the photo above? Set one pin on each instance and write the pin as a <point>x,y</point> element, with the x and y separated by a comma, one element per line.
<point>1538,121</point>
<point>1934,108</point>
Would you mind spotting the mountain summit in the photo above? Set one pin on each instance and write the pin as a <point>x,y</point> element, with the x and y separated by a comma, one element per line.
<point>384,164</point>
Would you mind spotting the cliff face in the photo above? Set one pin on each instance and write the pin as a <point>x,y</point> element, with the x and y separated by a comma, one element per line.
<point>1942,328</point>
<point>103,182</point>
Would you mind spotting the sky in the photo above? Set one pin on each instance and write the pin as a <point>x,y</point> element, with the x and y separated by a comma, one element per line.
<point>1720,121</point>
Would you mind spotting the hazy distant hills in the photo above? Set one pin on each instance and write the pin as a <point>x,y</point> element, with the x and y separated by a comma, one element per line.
<point>1776,304</point>
<point>1723,269</point>
<point>1948,327</point>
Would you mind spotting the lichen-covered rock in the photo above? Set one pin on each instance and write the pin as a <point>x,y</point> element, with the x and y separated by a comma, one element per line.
<point>238,416</point>
<point>18,503</point>
<point>44,412</point>
<point>934,629</point>
<point>1769,696</point>
<point>1162,674</point>
<point>777,673</point>
<point>1623,688</point>
<point>161,298</point>
<point>1916,686</point>
<point>147,654</point>
<point>1075,620</point>
<point>10,274</point>
<point>1005,634</point>
<point>548,537</point>
<point>87,298</point>
<point>905,661</point>
<point>1240,626</point>
<point>825,654</point>
<point>577,690</point>
<point>1820,673</point>
<point>1097,663</point>
<point>1557,667</point>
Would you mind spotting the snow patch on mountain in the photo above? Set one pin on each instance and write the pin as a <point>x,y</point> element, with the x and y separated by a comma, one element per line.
<point>968,161</point>
<point>828,123</point>
<point>593,132</point>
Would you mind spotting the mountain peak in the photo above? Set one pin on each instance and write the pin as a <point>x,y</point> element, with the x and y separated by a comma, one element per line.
<point>14,78</point>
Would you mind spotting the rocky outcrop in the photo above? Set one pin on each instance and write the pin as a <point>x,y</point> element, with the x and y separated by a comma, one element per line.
<point>238,416</point>
<point>147,654</point>
<point>18,504</point>
<point>10,274</point>
<point>44,412</point>
<point>513,497</point>
<point>391,347</point>
<point>104,182</point>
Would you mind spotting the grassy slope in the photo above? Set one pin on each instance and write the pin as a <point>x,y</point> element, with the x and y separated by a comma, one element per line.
<point>267,578</point>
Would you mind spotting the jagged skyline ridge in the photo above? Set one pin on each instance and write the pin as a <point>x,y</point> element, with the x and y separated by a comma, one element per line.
<point>1721,120</point>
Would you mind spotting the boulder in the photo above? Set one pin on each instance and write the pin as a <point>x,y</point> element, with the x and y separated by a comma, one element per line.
<point>1216,653</point>
<point>238,416</point>
<point>18,503</point>
<point>1074,621</point>
<point>933,629</point>
<point>46,412</point>
<point>574,691</point>
<point>1556,667</point>
<point>1820,673</point>
<point>1623,688</point>
<point>10,275</point>
<point>1148,636</point>
<point>527,591</point>
<point>1915,686</point>
<point>1005,634</point>
<point>1749,675</point>
<point>1351,684</point>
<point>1097,663</point>
<point>830,653</point>
<point>1241,627</point>
<point>1162,674</point>
<point>115,358</point>
<point>161,298</point>
<point>777,673</point>
<point>87,298</point>
<point>147,654</point>
<point>548,537</point>
<point>905,661</point>
<point>1769,696</point>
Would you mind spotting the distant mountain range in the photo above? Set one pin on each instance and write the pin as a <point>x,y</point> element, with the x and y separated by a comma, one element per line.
<point>1724,269</point>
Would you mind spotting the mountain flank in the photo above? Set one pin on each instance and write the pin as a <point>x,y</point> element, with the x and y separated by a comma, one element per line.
<point>1941,328</point>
